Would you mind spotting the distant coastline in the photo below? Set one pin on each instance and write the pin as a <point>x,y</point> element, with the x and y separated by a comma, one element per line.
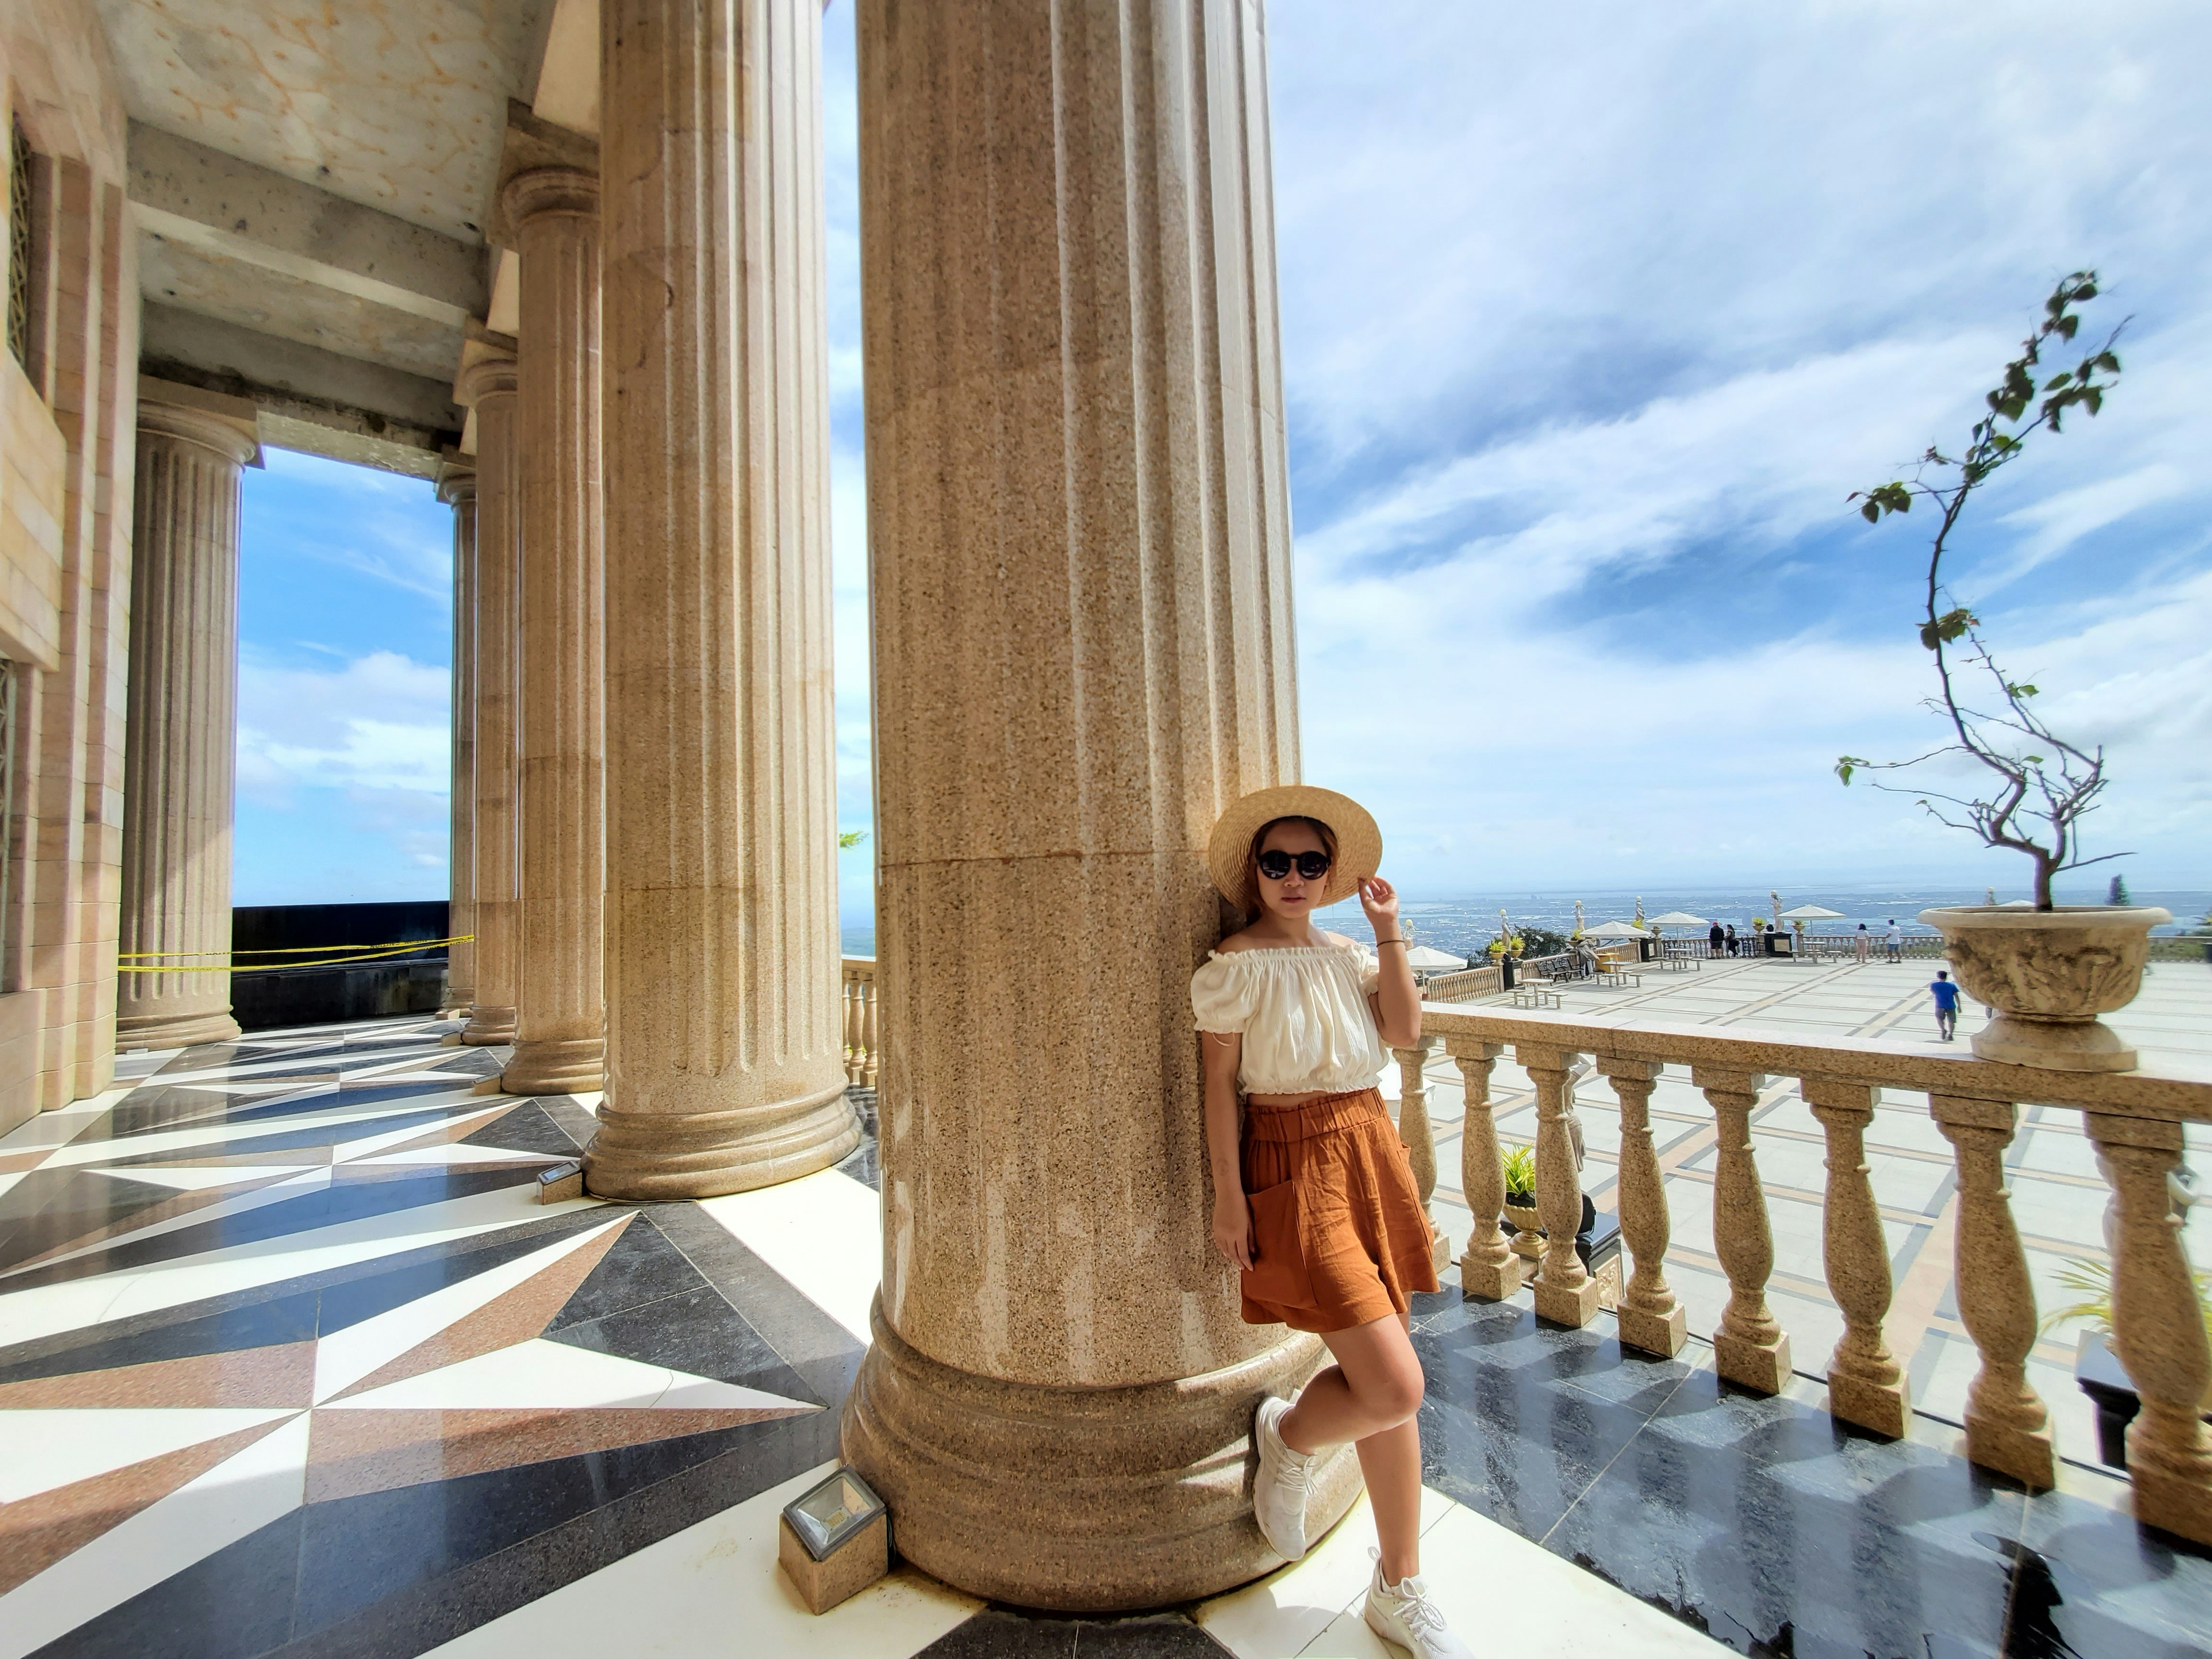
<point>1465,924</point>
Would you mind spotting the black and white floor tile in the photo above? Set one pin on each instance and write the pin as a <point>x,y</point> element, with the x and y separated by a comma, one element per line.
<point>292,1362</point>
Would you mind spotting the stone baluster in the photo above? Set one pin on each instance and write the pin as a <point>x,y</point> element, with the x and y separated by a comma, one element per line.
<point>1865,1385</point>
<point>1489,1269</point>
<point>1565,1293</point>
<point>1419,1136</point>
<point>1750,1349</point>
<point>1651,1318</point>
<point>872,1026</point>
<point>851,1009</point>
<point>2008,1426</point>
<point>2158,1329</point>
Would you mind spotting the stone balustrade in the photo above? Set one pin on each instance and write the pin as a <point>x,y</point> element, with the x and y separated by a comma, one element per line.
<point>1467,986</point>
<point>2134,1118</point>
<point>863,1021</point>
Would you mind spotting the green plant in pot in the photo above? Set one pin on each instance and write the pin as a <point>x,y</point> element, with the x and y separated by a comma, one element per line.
<point>1519,1162</point>
<point>2051,970</point>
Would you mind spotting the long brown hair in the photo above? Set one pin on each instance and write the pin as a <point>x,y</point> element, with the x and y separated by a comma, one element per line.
<point>1252,909</point>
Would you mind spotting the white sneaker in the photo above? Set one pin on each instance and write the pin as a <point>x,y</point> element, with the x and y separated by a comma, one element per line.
<point>1403,1613</point>
<point>1278,1491</point>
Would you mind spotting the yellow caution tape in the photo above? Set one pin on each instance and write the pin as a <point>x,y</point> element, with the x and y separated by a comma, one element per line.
<point>287,949</point>
<point>408,948</point>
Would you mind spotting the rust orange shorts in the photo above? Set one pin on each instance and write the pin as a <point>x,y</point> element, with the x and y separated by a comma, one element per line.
<point>1339,1238</point>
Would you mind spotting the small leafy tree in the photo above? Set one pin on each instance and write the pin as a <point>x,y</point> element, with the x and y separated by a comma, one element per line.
<point>2044,784</point>
<point>2117,892</point>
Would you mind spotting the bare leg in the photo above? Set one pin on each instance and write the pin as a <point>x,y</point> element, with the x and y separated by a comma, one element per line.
<point>1370,1397</point>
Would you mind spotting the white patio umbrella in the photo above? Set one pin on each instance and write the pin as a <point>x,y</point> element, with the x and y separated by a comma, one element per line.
<point>1678,919</point>
<point>1615,930</point>
<point>1423,960</point>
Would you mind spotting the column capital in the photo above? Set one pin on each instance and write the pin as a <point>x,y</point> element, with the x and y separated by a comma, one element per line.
<point>228,425</point>
<point>491,374</point>
<point>456,484</point>
<point>569,192</point>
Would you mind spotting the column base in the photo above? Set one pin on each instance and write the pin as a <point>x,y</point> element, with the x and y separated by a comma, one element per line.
<point>175,1030</point>
<point>1081,1500</point>
<point>1663,1334</point>
<point>1762,1367</point>
<point>489,1026</point>
<point>571,1065</point>
<point>650,1155</point>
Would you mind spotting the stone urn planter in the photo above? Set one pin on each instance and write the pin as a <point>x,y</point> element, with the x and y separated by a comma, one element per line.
<point>2049,974</point>
<point>1528,1240</point>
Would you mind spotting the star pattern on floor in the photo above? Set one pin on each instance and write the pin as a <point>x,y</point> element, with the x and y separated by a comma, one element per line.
<point>458,1383</point>
<point>296,1277</point>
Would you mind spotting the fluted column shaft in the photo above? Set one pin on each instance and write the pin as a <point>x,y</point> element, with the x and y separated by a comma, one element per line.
<point>490,385</point>
<point>560,1043</point>
<point>180,757</point>
<point>458,489</point>
<point>725,1069</point>
<point>1081,554</point>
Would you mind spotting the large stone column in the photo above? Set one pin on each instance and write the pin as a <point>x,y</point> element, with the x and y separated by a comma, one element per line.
<point>180,751</point>
<point>560,1043</point>
<point>489,385</point>
<point>1081,551</point>
<point>457,488</point>
<point>725,1068</point>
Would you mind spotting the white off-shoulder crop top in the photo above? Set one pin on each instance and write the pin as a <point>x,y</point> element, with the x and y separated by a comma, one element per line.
<point>1303,1012</point>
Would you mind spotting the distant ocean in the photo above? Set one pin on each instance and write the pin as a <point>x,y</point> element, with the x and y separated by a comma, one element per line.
<point>1465,926</point>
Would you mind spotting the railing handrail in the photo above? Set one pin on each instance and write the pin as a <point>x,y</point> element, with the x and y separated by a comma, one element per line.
<point>2146,1092</point>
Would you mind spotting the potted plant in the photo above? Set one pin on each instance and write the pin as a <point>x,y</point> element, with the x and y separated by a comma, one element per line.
<point>1520,1161</point>
<point>2051,970</point>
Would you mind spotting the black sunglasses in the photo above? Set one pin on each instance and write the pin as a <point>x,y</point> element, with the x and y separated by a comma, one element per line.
<point>1275,864</point>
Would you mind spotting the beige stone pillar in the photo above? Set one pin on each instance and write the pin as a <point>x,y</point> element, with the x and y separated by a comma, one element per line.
<point>725,1068</point>
<point>180,751</point>
<point>457,488</point>
<point>560,1043</point>
<point>1081,559</point>
<point>489,385</point>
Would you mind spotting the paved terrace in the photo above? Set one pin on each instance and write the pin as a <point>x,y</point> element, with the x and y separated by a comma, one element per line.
<point>290,1362</point>
<point>2057,1195</point>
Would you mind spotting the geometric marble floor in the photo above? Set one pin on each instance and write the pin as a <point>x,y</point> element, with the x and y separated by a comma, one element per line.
<point>291,1362</point>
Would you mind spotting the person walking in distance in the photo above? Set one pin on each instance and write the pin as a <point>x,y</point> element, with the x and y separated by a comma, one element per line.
<point>1714,940</point>
<point>1314,1199</point>
<point>1893,941</point>
<point>1731,939</point>
<point>1865,944</point>
<point>1947,1004</point>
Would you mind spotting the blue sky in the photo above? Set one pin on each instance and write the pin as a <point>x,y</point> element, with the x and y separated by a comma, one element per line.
<point>1592,317</point>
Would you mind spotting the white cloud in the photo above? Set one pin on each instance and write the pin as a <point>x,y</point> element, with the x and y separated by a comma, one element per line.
<point>377,725</point>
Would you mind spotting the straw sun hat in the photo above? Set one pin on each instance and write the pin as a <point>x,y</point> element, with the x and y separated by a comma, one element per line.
<point>1358,842</point>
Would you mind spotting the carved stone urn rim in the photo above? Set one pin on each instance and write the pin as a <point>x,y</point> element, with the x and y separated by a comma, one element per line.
<point>2048,974</point>
<point>2013,917</point>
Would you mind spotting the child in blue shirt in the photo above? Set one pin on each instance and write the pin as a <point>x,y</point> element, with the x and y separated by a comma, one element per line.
<point>1947,1004</point>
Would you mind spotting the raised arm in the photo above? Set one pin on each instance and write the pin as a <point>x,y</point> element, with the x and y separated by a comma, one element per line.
<point>1397,1004</point>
